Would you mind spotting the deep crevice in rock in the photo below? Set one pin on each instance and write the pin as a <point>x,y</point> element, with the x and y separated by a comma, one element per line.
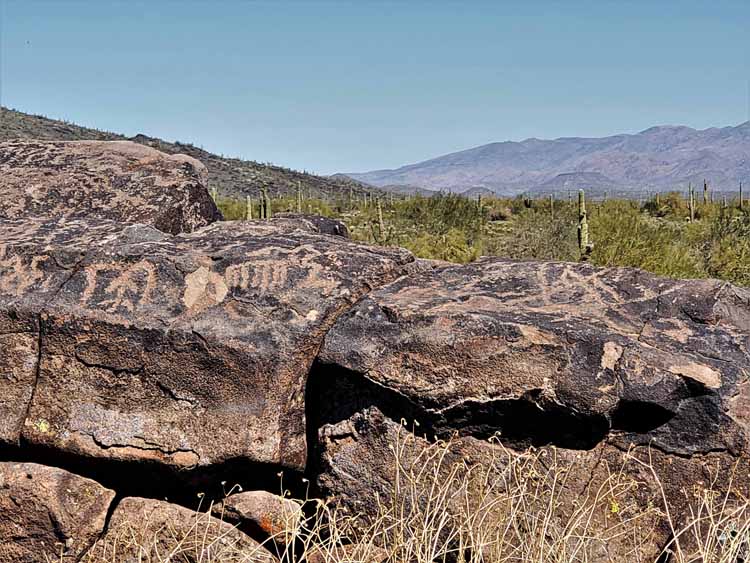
<point>194,489</point>
<point>639,416</point>
<point>335,394</point>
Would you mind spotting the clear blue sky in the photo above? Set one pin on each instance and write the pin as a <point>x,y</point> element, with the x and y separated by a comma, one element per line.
<point>358,85</point>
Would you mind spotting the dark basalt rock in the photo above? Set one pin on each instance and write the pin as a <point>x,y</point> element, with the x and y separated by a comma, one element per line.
<point>116,180</point>
<point>47,512</point>
<point>185,351</point>
<point>553,353</point>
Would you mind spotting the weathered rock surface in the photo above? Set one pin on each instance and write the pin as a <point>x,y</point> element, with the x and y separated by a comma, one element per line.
<point>186,351</point>
<point>359,463</point>
<point>46,512</point>
<point>144,530</point>
<point>120,181</point>
<point>603,363</point>
<point>323,225</point>
<point>561,354</point>
<point>261,513</point>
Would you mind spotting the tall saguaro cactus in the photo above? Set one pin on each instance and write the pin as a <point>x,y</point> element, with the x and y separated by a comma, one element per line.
<point>742,204</point>
<point>584,246</point>
<point>691,202</point>
<point>299,197</point>
<point>248,208</point>
<point>265,203</point>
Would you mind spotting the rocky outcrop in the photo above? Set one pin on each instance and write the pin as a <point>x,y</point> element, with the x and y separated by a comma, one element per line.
<point>185,351</point>
<point>47,512</point>
<point>560,354</point>
<point>163,354</point>
<point>607,365</point>
<point>120,181</point>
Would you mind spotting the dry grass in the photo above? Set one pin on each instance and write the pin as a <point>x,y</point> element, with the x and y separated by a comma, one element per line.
<point>511,507</point>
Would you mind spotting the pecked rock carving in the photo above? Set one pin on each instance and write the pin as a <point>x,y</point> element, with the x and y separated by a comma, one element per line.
<point>137,331</point>
<point>120,181</point>
<point>185,350</point>
<point>470,348</point>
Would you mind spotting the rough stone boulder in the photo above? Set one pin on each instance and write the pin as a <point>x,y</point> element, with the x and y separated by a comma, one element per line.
<point>46,512</point>
<point>607,365</point>
<point>323,225</point>
<point>553,354</point>
<point>185,351</point>
<point>145,530</point>
<point>117,180</point>
<point>262,514</point>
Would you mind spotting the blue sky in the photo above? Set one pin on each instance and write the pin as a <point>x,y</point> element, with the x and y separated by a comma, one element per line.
<point>359,85</point>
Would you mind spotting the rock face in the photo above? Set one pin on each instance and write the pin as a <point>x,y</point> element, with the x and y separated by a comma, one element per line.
<point>136,332</point>
<point>184,351</point>
<point>47,512</point>
<point>120,181</point>
<point>607,364</point>
<point>260,513</point>
<point>554,354</point>
<point>145,530</point>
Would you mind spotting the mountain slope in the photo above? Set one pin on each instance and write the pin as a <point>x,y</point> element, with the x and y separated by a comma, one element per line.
<point>659,158</point>
<point>230,176</point>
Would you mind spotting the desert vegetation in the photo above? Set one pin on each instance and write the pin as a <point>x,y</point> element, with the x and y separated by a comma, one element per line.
<point>512,507</point>
<point>666,234</point>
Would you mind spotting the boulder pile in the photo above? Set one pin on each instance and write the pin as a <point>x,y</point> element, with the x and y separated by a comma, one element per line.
<point>149,350</point>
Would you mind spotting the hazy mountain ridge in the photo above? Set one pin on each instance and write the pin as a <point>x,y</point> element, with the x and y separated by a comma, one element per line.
<point>658,158</point>
<point>230,176</point>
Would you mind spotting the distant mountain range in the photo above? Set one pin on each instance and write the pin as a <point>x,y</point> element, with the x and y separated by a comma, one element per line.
<point>230,176</point>
<point>657,159</point>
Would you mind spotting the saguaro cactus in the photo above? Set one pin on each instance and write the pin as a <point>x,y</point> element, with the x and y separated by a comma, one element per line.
<point>742,204</point>
<point>691,202</point>
<point>705,192</point>
<point>248,208</point>
<point>299,197</point>
<point>584,246</point>
<point>265,203</point>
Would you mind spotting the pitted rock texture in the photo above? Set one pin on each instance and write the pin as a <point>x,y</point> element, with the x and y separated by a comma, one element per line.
<point>46,512</point>
<point>551,353</point>
<point>262,514</point>
<point>184,351</point>
<point>116,180</point>
<point>144,529</point>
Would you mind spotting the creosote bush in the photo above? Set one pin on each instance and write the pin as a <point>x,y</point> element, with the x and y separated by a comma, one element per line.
<point>656,236</point>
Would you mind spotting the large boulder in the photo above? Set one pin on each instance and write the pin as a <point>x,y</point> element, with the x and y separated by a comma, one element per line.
<point>145,530</point>
<point>116,180</point>
<point>616,369</point>
<point>554,353</point>
<point>186,351</point>
<point>47,512</point>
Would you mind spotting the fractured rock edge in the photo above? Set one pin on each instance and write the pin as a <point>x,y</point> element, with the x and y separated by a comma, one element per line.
<point>419,413</point>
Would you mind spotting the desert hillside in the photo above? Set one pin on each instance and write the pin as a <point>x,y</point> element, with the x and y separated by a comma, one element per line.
<point>229,176</point>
